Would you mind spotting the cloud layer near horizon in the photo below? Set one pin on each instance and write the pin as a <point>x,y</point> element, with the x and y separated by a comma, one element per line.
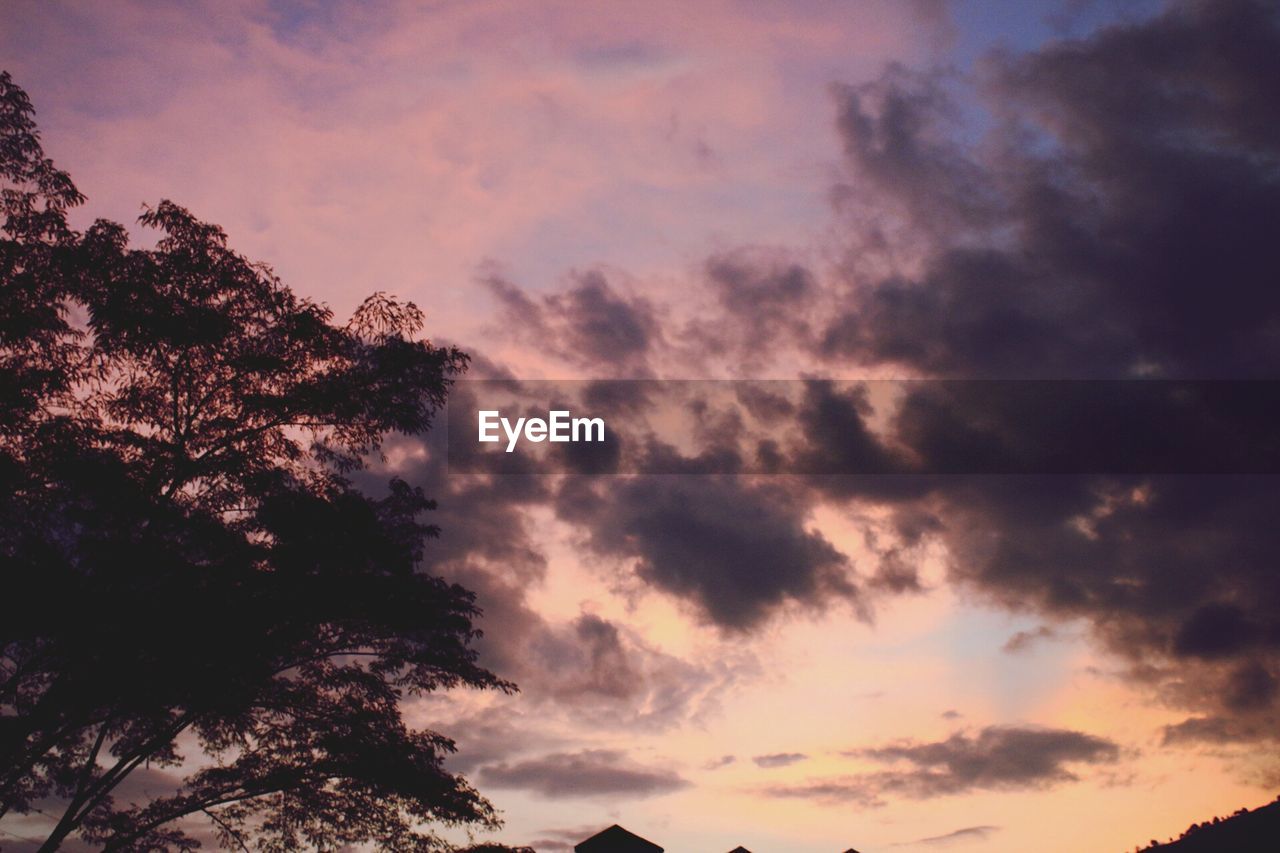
<point>995,758</point>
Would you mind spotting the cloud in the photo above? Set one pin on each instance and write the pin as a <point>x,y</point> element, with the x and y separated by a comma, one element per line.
<point>589,323</point>
<point>1217,730</point>
<point>146,784</point>
<point>763,298</point>
<point>592,671</point>
<point>552,844</point>
<point>834,419</point>
<point>755,284</point>
<point>487,735</point>
<point>899,133</point>
<point>564,838</point>
<point>737,550</point>
<point>847,790</point>
<point>965,834</point>
<point>778,759</point>
<point>605,675</point>
<point>997,758</point>
<point>1174,573</point>
<point>1098,231</point>
<point>588,773</point>
<point>1217,630</point>
<point>435,140</point>
<point>589,669</point>
<point>1024,640</point>
<point>1087,250</point>
<point>1212,730</point>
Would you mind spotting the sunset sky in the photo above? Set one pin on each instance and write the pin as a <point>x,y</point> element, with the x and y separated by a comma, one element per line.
<point>782,189</point>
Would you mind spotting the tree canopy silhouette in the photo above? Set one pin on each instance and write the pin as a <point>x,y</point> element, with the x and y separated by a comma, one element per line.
<point>202,618</point>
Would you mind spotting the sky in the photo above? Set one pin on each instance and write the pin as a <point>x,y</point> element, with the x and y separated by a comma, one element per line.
<point>751,189</point>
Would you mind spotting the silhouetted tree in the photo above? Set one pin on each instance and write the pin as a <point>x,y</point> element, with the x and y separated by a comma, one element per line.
<point>189,580</point>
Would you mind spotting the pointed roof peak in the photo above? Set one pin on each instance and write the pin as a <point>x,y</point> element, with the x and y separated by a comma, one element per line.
<point>615,839</point>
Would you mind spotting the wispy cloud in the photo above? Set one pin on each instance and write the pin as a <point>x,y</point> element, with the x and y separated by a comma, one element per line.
<point>779,759</point>
<point>996,758</point>
<point>959,836</point>
<point>588,773</point>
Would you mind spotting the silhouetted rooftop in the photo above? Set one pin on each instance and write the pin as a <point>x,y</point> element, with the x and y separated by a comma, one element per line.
<point>615,839</point>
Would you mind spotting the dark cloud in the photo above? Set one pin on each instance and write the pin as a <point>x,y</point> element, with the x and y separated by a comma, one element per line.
<point>1110,231</point>
<point>1222,730</point>
<point>588,773</point>
<point>605,667</point>
<point>605,675</point>
<point>479,520</point>
<point>896,573</point>
<point>1175,573</point>
<point>899,132</point>
<point>757,285</point>
<point>1250,686</point>
<point>1216,630</point>
<point>722,761</point>
<point>589,323</point>
<point>997,758</point>
<point>737,550</point>
<point>779,759</point>
<point>1101,230</point>
<point>764,404</point>
<point>838,438</point>
<point>764,298</point>
<point>1204,730</point>
<point>588,669</point>
<point>487,736</point>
